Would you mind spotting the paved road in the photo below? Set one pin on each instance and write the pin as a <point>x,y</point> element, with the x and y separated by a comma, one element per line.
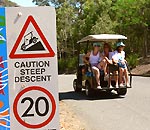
<point>110,112</point>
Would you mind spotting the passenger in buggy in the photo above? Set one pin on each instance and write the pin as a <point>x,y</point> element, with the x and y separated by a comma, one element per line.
<point>94,57</point>
<point>99,60</point>
<point>106,59</point>
<point>119,59</point>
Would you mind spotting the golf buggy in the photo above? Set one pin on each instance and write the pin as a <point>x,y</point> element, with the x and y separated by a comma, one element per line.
<point>85,76</point>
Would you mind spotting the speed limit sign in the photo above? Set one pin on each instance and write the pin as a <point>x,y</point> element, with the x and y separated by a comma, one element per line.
<point>45,114</point>
<point>32,68</point>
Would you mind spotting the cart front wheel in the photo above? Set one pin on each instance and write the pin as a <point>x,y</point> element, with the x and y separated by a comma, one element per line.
<point>88,90</point>
<point>75,86</point>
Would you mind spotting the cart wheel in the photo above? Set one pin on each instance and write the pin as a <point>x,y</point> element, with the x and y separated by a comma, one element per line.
<point>88,90</point>
<point>108,91</point>
<point>75,86</point>
<point>122,91</point>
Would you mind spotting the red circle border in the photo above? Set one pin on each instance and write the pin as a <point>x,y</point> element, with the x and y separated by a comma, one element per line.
<point>39,89</point>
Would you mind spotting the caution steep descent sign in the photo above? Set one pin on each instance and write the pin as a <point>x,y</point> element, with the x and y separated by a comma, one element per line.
<point>32,71</point>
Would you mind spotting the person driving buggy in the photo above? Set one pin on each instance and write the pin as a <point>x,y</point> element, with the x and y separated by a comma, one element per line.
<point>94,57</point>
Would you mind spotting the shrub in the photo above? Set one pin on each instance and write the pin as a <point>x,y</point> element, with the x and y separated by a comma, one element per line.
<point>71,65</point>
<point>68,65</point>
<point>61,65</point>
<point>132,60</point>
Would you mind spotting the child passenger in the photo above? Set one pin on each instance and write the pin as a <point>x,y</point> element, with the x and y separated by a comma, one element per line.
<point>119,59</point>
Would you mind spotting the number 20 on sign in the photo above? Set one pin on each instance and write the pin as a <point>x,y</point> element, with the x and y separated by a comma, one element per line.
<point>46,114</point>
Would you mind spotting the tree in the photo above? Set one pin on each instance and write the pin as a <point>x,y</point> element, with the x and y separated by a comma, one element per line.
<point>42,2</point>
<point>132,18</point>
<point>79,18</point>
<point>65,26</point>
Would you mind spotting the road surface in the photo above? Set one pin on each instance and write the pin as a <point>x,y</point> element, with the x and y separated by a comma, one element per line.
<point>110,112</point>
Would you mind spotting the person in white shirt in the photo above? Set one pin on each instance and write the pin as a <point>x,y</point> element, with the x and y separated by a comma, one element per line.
<point>119,59</point>
<point>94,57</point>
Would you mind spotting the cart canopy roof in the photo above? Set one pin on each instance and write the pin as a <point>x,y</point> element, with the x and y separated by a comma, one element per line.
<point>102,38</point>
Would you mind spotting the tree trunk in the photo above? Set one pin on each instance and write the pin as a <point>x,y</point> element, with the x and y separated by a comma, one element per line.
<point>145,48</point>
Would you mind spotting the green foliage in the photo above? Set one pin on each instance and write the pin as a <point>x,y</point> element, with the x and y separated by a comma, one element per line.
<point>68,65</point>
<point>72,63</point>
<point>79,18</point>
<point>103,25</point>
<point>132,20</point>
<point>61,65</point>
<point>132,60</point>
<point>41,2</point>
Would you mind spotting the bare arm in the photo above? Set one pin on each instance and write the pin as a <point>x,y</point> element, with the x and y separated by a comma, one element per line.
<point>114,61</point>
<point>108,61</point>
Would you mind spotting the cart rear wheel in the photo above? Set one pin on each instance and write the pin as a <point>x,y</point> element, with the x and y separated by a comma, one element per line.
<point>88,90</point>
<point>108,91</point>
<point>122,91</point>
<point>75,86</point>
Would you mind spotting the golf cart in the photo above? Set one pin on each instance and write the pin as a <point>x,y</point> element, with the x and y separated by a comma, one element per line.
<point>85,76</point>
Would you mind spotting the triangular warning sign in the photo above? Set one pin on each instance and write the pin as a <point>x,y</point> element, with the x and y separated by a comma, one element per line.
<point>32,43</point>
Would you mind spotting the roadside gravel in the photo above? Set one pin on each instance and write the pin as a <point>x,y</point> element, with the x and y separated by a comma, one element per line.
<point>68,120</point>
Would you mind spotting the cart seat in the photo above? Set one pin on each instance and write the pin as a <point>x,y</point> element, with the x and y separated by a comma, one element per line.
<point>113,68</point>
<point>81,63</point>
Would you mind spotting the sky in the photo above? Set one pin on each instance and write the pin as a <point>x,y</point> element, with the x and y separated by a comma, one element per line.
<point>25,3</point>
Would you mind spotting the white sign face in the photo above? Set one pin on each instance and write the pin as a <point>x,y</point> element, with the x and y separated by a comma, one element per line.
<point>32,65</point>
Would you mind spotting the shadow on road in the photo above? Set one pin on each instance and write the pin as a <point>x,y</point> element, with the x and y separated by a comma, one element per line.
<point>81,96</point>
